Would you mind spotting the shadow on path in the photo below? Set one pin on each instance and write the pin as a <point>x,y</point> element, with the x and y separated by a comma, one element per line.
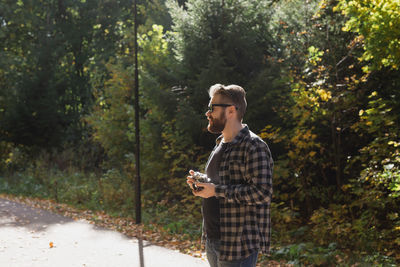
<point>16,214</point>
<point>34,237</point>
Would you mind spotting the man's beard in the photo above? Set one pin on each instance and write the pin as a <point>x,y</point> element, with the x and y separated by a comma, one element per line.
<point>217,125</point>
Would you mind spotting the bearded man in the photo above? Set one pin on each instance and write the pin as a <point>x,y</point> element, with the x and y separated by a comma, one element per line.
<point>237,196</point>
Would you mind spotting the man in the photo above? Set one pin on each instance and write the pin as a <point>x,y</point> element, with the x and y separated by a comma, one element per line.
<point>236,202</point>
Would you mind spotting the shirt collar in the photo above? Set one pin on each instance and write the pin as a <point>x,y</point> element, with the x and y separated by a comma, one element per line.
<point>239,137</point>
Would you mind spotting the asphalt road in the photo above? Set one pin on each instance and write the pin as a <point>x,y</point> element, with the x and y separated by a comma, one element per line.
<point>32,237</point>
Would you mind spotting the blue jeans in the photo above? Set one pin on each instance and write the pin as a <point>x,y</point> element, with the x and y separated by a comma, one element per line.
<point>212,250</point>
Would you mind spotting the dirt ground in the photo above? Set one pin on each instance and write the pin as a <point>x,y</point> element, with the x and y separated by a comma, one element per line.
<point>33,237</point>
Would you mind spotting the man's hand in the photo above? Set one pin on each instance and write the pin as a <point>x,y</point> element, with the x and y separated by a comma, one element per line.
<point>190,180</point>
<point>208,189</point>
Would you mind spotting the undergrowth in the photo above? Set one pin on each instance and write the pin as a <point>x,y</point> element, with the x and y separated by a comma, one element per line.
<point>113,193</point>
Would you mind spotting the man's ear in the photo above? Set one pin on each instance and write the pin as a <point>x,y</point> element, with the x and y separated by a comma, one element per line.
<point>231,110</point>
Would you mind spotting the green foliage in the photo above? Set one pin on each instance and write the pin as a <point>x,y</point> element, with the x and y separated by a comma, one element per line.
<point>225,42</point>
<point>154,12</point>
<point>378,182</point>
<point>340,167</point>
<point>379,120</point>
<point>112,117</point>
<point>292,24</point>
<point>115,192</point>
<point>376,259</point>
<point>171,217</point>
<point>47,49</point>
<point>351,227</point>
<point>11,158</point>
<point>377,25</point>
<point>167,148</point>
<point>317,111</point>
<point>111,192</point>
<point>307,254</point>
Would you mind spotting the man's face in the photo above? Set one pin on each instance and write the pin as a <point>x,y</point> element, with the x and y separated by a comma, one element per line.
<point>216,116</point>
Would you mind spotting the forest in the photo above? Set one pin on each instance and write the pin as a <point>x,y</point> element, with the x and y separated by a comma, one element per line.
<point>323,90</point>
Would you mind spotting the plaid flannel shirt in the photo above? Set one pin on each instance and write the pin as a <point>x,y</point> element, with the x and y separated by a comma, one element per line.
<point>244,194</point>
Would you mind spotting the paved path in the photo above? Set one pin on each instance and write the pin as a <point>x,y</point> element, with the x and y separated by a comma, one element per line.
<point>27,234</point>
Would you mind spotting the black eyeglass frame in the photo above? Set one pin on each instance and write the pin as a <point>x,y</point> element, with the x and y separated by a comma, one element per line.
<point>211,106</point>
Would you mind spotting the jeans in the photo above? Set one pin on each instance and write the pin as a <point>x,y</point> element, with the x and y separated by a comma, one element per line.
<point>212,250</point>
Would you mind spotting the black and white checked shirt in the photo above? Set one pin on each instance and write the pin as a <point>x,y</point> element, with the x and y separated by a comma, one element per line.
<point>244,196</point>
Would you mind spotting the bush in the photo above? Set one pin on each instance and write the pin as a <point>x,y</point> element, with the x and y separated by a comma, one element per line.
<point>307,254</point>
<point>12,157</point>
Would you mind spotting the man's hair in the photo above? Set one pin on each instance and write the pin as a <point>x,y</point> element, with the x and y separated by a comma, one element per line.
<point>233,94</point>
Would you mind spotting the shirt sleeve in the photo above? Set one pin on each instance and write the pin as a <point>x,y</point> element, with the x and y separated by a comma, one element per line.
<point>257,188</point>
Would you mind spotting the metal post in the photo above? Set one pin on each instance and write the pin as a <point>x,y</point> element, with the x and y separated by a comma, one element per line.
<point>138,201</point>
<point>137,133</point>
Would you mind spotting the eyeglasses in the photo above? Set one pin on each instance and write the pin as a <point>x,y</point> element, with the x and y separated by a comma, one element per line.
<point>211,106</point>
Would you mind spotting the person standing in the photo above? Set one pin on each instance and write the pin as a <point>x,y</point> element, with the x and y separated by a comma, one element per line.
<point>237,197</point>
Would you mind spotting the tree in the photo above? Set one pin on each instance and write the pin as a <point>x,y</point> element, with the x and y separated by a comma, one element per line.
<point>224,42</point>
<point>377,26</point>
<point>317,113</point>
<point>49,48</point>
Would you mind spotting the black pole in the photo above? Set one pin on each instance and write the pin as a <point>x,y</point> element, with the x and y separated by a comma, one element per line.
<point>137,152</point>
<point>137,133</point>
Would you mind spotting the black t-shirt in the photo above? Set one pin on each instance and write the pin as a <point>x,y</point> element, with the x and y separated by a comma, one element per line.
<point>211,205</point>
